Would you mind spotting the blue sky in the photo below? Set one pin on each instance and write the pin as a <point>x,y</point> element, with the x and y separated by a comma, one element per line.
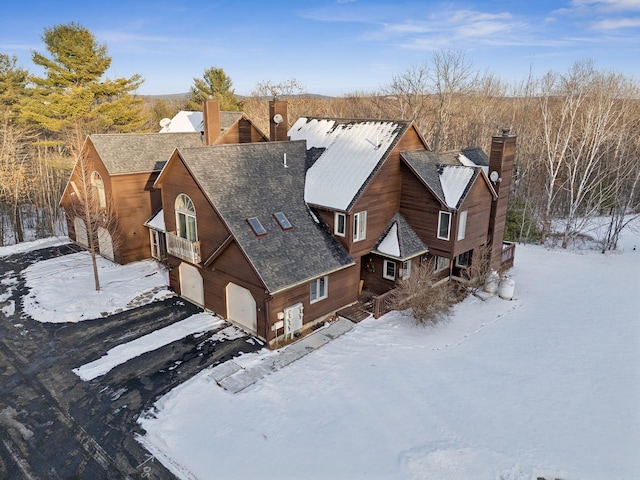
<point>332,47</point>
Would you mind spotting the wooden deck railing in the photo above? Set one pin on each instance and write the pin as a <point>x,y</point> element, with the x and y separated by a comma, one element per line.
<point>384,303</point>
<point>508,255</point>
<point>183,248</point>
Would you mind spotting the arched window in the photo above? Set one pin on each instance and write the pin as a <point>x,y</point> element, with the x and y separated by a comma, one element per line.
<point>186,218</point>
<point>97,186</point>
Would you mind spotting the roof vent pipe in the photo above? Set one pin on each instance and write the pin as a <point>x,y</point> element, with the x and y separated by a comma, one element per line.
<point>284,161</point>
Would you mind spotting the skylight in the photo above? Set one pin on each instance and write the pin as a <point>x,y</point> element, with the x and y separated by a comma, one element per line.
<point>256,226</point>
<point>283,220</point>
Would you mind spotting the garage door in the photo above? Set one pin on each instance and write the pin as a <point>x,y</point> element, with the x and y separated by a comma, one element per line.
<point>241,307</point>
<point>191,286</point>
<point>81,231</point>
<point>105,245</point>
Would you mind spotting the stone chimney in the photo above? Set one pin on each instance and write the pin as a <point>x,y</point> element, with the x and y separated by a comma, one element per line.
<point>278,120</point>
<point>501,158</point>
<point>211,118</point>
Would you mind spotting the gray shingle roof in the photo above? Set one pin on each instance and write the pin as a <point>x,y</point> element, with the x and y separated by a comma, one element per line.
<point>427,165</point>
<point>408,242</point>
<point>250,180</point>
<point>140,152</point>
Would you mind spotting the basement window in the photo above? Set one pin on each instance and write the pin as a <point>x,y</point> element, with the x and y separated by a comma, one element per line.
<point>256,226</point>
<point>283,221</point>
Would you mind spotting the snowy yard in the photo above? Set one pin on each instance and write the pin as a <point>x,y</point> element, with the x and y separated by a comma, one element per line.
<point>546,385</point>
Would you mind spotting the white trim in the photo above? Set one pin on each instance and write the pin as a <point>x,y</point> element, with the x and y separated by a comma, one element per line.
<point>439,260</point>
<point>384,270</point>
<point>462,225</point>
<point>336,231</point>
<point>360,226</point>
<point>320,293</point>
<point>440,214</point>
<point>405,273</point>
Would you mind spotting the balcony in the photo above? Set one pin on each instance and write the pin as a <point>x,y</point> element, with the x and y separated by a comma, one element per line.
<point>508,255</point>
<point>183,248</point>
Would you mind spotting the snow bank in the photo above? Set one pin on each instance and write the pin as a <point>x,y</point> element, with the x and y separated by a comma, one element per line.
<point>547,384</point>
<point>62,289</point>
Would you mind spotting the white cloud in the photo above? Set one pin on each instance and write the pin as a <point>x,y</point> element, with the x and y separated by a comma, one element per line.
<point>616,23</point>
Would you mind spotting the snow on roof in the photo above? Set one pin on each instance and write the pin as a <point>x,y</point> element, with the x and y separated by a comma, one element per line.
<point>454,181</point>
<point>185,121</point>
<point>467,162</point>
<point>390,244</point>
<point>352,151</point>
<point>157,221</point>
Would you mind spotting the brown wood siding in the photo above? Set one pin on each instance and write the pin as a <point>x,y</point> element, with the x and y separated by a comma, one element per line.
<point>343,290</point>
<point>134,205</point>
<point>210,228</point>
<point>381,198</point>
<point>477,204</point>
<point>421,209</point>
<point>233,267</point>
<point>241,132</point>
<point>502,157</point>
<point>328,217</point>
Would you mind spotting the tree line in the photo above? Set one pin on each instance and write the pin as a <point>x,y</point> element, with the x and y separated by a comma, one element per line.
<point>578,153</point>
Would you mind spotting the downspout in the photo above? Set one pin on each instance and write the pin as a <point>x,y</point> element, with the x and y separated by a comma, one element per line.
<point>267,318</point>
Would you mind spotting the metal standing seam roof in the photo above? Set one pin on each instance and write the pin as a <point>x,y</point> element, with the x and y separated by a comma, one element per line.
<point>399,240</point>
<point>124,153</point>
<point>251,180</point>
<point>352,151</point>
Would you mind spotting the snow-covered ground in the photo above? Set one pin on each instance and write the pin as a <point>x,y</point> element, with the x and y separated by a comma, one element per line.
<point>62,289</point>
<point>546,385</point>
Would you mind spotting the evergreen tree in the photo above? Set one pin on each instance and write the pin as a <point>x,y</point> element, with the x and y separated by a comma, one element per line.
<point>214,83</point>
<point>73,96</point>
<point>13,81</point>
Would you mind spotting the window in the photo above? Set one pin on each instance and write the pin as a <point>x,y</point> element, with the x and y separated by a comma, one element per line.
<point>389,270</point>
<point>319,289</point>
<point>444,223</point>
<point>186,218</point>
<point>339,224</point>
<point>406,269</point>
<point>463,260</point>
<point>441,263</point>
<point>284,222</point>
<point>158,245</point>
<point>256,226</point>
<point>360,226</point>
<point>462,225</point>
<point>97,189</point>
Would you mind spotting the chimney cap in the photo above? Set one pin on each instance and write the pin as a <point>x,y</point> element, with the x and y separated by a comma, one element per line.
<point>505,131</point>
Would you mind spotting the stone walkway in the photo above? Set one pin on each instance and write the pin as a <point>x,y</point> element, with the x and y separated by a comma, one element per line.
<point>235,378</point>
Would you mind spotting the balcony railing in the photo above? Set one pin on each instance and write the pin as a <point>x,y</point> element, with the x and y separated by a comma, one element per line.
<point>508,255</point>
<point>183,248</point>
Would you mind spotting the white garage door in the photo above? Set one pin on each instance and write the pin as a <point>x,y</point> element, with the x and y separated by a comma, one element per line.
<point>191,286</point>
<point>241,307</point>
<point>105,245</point>
<point>81,232</point>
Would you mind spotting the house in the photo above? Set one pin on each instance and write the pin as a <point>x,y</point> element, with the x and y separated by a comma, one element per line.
<point>119,171</point>
<point>277,236</point>
<point>242,242</point>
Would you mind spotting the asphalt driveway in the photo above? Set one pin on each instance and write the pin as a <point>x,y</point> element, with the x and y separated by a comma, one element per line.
<point>53,424</point>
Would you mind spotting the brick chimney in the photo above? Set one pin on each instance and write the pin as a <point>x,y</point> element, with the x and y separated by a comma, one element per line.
<point>278,120</point>
<point>211,118</point>
<point>503,150</point>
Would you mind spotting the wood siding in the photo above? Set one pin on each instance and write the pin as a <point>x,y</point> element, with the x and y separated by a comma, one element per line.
<point>381,197</point>
<point>421,210</point>
<point>241,132</point>
<point>501,159</point>
<point>343,290</point>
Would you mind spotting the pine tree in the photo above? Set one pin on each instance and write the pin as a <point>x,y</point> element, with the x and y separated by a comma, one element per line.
<point>216,84</point>
<point>73,93</point>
